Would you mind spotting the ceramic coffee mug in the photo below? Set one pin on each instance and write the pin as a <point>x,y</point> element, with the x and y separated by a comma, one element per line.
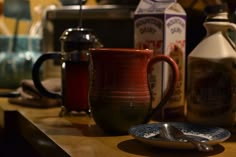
<point>119,91</point>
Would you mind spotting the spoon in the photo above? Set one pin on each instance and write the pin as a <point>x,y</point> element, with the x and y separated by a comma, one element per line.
<point>172,133</point>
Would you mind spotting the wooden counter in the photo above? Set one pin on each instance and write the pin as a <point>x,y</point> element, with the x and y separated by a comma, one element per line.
<point>51,135</point>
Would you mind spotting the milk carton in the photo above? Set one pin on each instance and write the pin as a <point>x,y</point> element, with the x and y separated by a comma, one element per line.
<point>161,25</point>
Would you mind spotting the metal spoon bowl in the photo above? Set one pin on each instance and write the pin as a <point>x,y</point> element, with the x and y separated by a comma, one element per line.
<point>172,133</point>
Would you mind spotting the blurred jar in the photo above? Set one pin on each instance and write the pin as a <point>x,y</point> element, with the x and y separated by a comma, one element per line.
<point>16,66</point>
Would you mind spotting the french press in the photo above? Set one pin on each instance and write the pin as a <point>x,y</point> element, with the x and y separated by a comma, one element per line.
<point>74,58</point>
<point>75,43</point>
<point>74,61</point>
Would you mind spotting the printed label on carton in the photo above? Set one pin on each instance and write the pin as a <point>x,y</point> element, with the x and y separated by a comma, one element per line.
<point>161,26</point>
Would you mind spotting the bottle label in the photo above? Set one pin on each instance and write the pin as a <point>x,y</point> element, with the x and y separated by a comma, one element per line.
<point>211,91</point>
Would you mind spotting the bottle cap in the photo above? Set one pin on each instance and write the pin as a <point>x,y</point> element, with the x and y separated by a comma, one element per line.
<point>218,12</point>
<point>217,8</point>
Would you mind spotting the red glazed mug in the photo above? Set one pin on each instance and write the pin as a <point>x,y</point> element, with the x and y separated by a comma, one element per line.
<point>119,91</point>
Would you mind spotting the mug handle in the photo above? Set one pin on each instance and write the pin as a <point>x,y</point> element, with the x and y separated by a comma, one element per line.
<point>36,74</point>
<point>175,78</point>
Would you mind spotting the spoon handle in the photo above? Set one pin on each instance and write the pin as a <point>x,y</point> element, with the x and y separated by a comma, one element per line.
<point>201,146</point>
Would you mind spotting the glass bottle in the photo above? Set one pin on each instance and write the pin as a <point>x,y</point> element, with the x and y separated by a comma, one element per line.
<point>211,73</point>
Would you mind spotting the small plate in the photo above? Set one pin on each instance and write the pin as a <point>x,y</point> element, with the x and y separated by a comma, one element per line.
<point>149,134</point>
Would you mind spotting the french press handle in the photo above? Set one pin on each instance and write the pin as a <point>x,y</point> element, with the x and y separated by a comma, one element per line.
<point>36,74</point>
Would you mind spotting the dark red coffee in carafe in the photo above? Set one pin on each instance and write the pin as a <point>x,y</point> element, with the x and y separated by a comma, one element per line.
<point>76,86</point>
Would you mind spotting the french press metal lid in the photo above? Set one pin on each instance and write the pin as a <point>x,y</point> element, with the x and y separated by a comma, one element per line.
<point>75,43</point>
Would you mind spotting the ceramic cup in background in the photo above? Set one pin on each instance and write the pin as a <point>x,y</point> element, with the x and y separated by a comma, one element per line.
<point>119,92</point>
